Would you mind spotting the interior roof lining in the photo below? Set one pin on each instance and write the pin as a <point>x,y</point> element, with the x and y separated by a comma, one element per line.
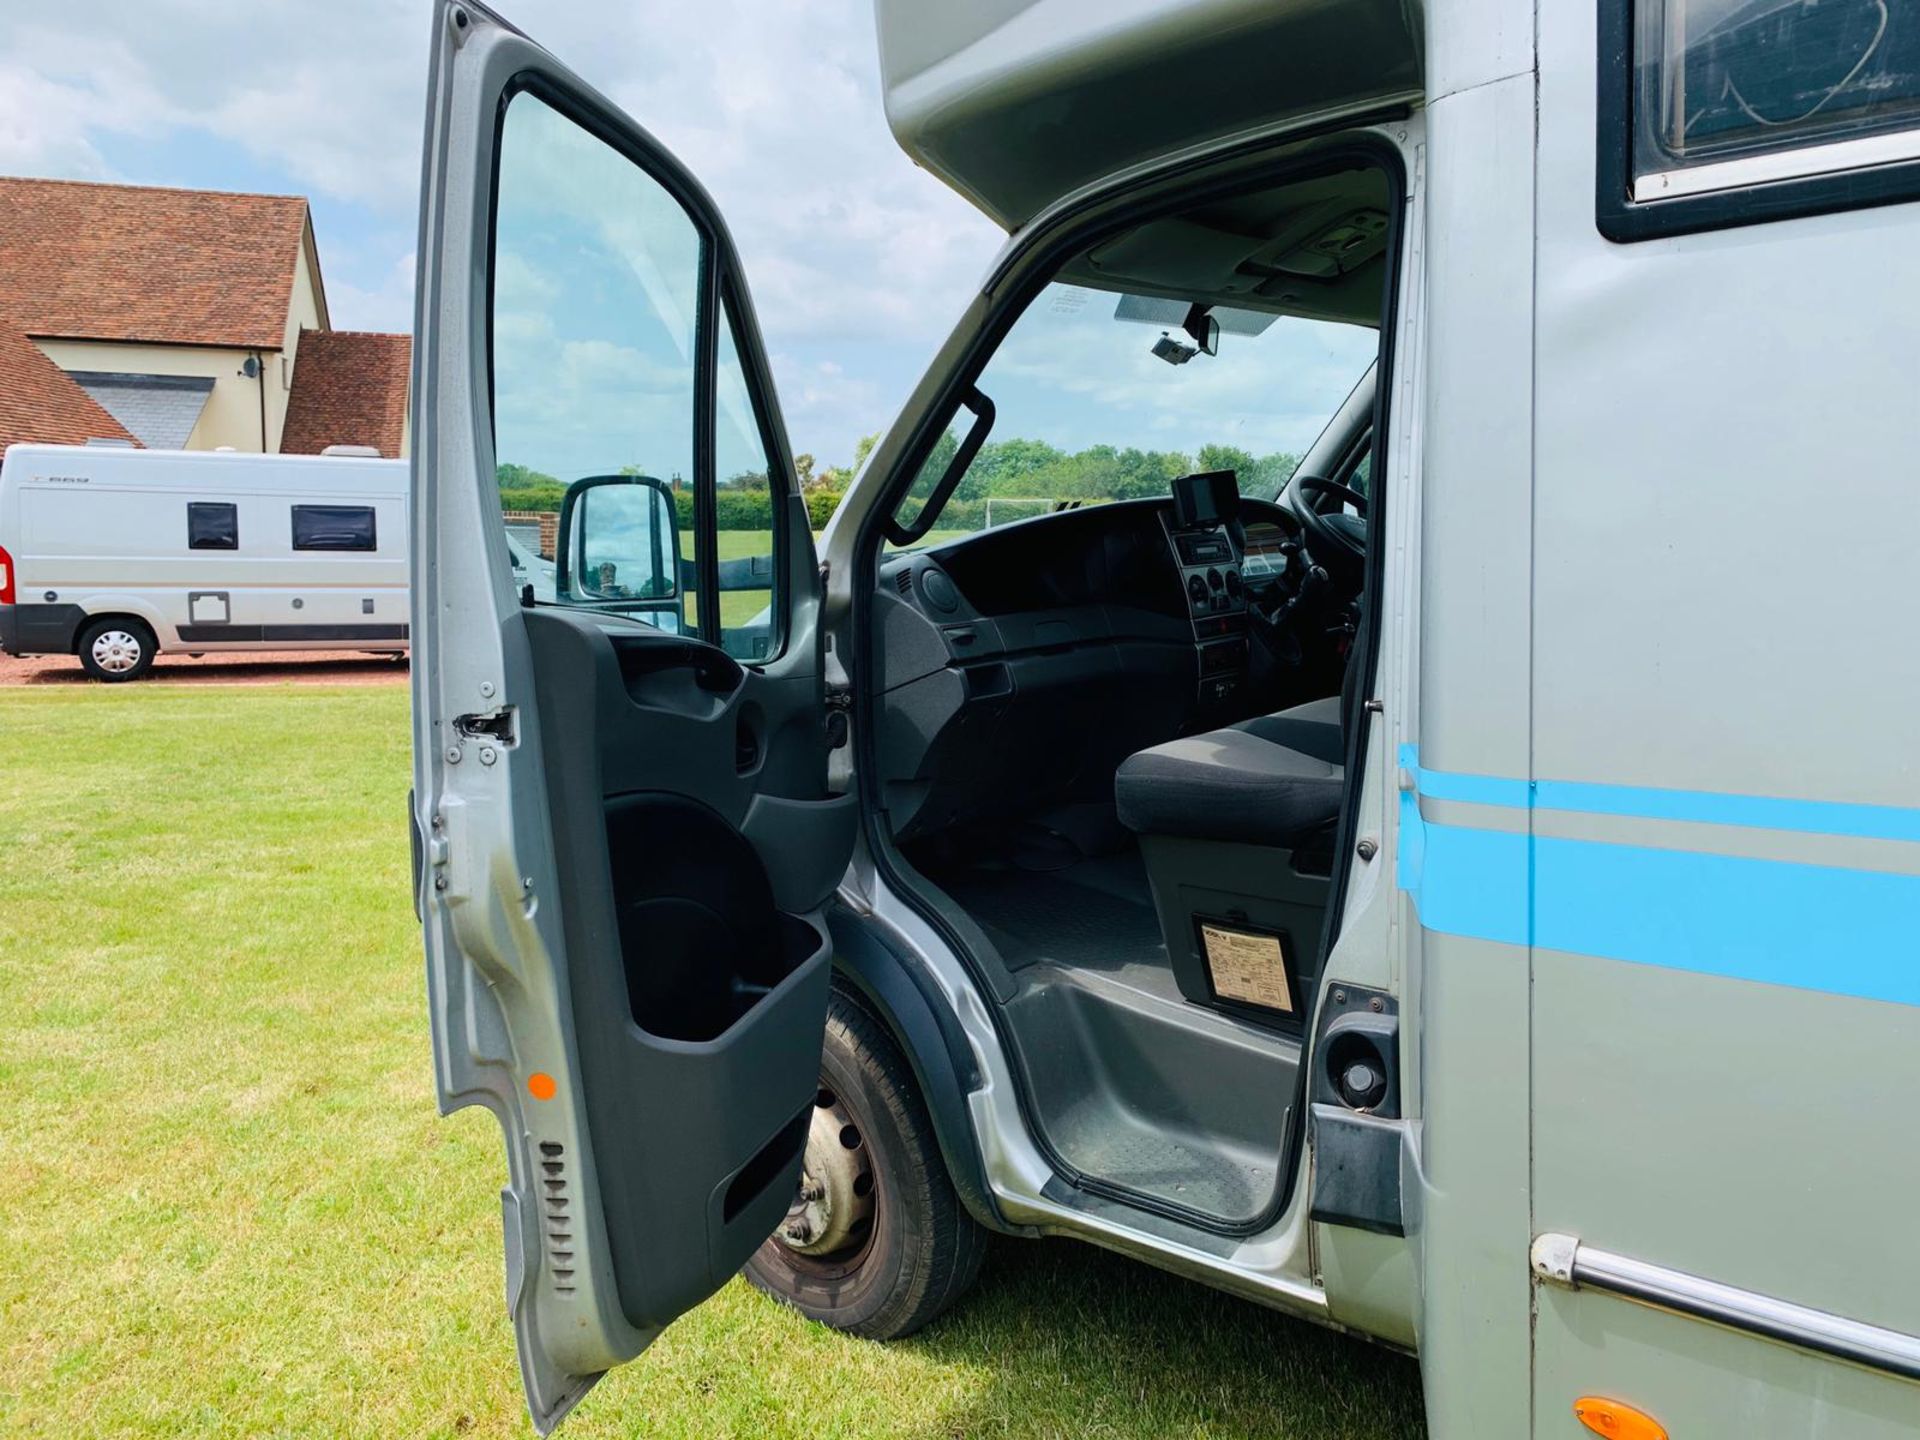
<point>1219,253</point>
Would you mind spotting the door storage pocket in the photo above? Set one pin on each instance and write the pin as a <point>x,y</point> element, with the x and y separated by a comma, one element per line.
<point>701,940</point>
<point>700,1015</point>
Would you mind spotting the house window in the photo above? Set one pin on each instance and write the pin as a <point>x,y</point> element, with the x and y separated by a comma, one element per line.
<point>1727,112</point>
<point>212,525</point>
<point>333,527</point>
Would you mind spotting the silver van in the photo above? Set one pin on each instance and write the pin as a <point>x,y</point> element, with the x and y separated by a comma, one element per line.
<point>1431,845</point>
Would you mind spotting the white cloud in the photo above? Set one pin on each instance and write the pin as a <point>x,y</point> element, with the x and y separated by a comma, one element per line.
<point>775,104</point>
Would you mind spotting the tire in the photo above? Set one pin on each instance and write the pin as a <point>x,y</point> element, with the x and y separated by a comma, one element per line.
<point>915,1250</point>
<point>116,648</point>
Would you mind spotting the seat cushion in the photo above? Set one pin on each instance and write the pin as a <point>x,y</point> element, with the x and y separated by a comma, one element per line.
<point>1313,729</point>
<point>1229,785</point>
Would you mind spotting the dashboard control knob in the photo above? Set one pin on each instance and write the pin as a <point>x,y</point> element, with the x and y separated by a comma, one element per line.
<point>1233,584</point>
<point>1197,589</point>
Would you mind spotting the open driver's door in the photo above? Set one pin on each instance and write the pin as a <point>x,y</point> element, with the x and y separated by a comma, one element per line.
<point>622,817</point>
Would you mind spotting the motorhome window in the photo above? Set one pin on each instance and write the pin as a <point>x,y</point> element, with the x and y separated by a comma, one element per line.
<point>212,525</point>
<point>333,527</point>
<point>1731,94</point>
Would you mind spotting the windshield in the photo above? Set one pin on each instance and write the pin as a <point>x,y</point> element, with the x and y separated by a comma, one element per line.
<point>1104,397</point>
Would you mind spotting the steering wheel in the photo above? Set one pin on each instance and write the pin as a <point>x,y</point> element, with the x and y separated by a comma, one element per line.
<point>1343,534</point>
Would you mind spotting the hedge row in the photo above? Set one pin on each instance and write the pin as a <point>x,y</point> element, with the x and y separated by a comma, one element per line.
<point>733,510</point>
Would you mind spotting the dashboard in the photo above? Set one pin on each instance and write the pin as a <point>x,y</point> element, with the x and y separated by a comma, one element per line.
<point>1019,666</point>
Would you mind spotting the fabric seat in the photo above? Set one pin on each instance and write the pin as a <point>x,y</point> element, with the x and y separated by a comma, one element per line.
<point>1316,728</point>
<point>1273,780</point>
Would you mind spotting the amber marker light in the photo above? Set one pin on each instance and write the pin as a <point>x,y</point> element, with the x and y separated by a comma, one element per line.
<point>541,1086</point>
<point>1615,1420</point>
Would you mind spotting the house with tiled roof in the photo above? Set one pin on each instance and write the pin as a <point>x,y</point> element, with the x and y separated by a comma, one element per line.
<point>178,319</point>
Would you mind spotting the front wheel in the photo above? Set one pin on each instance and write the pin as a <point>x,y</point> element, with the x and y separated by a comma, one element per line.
<point>876,1242</point>
<point>117,648</point>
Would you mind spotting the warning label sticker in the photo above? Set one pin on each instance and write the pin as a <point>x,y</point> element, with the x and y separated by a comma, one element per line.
<point>1249,968</point>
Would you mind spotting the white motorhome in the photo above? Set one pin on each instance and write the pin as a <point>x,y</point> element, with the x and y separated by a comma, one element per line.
<point>116,556</point>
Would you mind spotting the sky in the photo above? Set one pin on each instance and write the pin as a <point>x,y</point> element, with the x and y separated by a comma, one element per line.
<point>858,261</point>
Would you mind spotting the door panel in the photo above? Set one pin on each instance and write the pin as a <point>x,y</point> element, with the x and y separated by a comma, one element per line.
<point>627,830</point>
<point>697,1000</point>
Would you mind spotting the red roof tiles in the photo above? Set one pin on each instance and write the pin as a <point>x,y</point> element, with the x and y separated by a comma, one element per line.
<point>126,262</point>
<point>40,404</point>
<point>349,388</point>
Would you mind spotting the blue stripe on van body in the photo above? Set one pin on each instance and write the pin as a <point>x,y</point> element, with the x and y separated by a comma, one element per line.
<point>1815,927</point>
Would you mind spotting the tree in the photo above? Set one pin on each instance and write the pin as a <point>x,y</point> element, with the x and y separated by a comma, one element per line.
<point>803,468</point>
<point>1229,457</point>
<point>863,449</point>
<point>522,488</point>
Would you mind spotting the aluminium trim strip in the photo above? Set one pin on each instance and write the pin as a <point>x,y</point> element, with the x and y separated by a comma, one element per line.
<point>1563,1260</point>
<point>1799,163</point>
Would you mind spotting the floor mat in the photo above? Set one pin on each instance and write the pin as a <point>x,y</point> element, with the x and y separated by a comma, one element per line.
<point>1095,914</point>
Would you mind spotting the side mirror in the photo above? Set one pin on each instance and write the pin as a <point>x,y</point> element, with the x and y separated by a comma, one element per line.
<point>619,544</point>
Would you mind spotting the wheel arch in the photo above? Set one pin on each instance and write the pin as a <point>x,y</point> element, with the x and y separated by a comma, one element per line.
<point>114,606</point>
<point>889,985</point>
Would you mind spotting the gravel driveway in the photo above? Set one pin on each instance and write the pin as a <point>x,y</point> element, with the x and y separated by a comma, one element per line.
<point>267,667</point>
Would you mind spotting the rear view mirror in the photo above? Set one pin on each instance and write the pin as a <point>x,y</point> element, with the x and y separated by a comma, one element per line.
<point>1204,326</point>
<point>620,544</point>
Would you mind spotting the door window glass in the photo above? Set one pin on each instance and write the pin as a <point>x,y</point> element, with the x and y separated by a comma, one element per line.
<point>602,282</point>
<point>1721,79</point>
<point>743,509</point>
<point>597,275</point>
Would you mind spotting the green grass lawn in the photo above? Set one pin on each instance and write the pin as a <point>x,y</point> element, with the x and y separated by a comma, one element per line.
<point>227,1207</point>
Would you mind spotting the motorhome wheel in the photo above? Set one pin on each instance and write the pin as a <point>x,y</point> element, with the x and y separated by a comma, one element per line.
<point>116,648</point>
<point>876,1242</point>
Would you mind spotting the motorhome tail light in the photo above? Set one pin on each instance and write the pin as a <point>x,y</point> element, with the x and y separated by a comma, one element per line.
<point>6,577</point>
<point>1615,1420</point>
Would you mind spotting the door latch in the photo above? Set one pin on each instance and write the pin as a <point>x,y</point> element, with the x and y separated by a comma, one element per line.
<point>838,718</point>
<point>499,725</point>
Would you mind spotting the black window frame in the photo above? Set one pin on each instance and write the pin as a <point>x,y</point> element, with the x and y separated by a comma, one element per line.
<point>336,514</point>
<point>221,513</point>
<point>1624,220</point>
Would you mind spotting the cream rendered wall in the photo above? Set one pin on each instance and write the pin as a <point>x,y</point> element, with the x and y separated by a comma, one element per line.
<point>232,413</point>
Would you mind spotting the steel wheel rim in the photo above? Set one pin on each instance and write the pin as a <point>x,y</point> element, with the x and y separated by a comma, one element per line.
<point>836,1136</point>
<point>116,651</point>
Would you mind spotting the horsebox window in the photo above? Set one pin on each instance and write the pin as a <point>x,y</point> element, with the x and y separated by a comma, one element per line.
<point>212,525</point>
<point>1734,111</point>
<point>333,527</point>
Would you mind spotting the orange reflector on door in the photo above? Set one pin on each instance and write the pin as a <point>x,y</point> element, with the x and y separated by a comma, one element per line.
<point>1615,1420</point>
<point>541,1085</point>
